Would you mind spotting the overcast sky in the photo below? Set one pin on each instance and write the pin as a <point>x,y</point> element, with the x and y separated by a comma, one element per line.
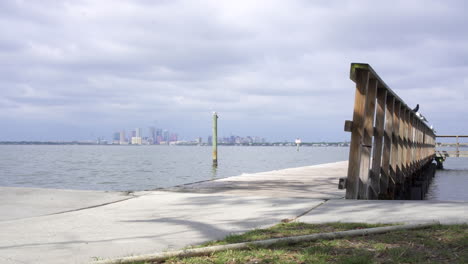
<point>75,70</point>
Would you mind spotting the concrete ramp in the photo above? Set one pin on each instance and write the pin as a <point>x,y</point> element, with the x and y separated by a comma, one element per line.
<point>151,223</point>
<point>19,203</point>
<point>380,211</point>
<point>316,182</point>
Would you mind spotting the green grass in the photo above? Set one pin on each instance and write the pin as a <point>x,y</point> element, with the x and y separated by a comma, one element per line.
<point>437,244</point>
<point>288,229</point>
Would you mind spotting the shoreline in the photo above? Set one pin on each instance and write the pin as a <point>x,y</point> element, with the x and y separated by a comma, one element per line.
<point>173,186</point>
<point>47,226</point>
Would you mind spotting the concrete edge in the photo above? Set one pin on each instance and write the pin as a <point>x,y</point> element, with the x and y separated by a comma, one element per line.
<point>321,165</point>
<point>263,243</point>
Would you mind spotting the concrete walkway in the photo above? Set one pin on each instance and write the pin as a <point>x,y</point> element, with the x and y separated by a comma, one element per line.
<point>19,203</point>
<point>318,182</point>
<point>63,226</point>
<point>359,211</point>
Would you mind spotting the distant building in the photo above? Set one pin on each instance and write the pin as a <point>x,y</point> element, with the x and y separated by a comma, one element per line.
<point>132,135</point>
<point>159,139</point>
<point>152,135</point>
<point>136,140</point>
<point>116,138</point>
<point>165,135</point>
<point>138,133</point>
<point>122,139</point>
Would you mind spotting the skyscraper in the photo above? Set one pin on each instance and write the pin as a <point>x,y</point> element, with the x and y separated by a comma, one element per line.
<point>122,139</point>
<point>116,138</point>
<point>159,137</point>
<point>152,135</point>
<point>137,139</point>
<point>166,135</point>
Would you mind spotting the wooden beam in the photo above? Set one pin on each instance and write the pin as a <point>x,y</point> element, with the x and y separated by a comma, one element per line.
<point>409,139</point>
<point>366,145</point>
<point>387,150</point>
<point>445,136</point>
<point>401,145</point>
<point>378,144</point>
<point>396,147</point>
<point>352,181</point>
<point>452,154</point>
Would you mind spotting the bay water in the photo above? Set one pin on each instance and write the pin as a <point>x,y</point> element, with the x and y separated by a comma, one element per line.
<point>135,168</point>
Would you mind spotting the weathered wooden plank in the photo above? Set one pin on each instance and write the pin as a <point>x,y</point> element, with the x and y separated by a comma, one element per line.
<point>453,153</point>
<point>417,157</point>
<point>403,141</point>
<point>421,141</point>
<point>451,136</point>
<point>409,140</point>
<point>401,146</point>
<point>425,143</point>
<point>396,147</point>
<point>352,181</point>
<point>367,139</point>
<point>386,170</point>
<point>404,152</point>
<point>374,177</point>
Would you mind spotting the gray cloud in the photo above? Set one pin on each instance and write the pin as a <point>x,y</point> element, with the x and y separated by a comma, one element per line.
<point>277,68</point>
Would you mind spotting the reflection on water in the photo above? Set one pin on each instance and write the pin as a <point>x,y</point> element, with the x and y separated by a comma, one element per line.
<point>450,184</point>
<point>145,167</point>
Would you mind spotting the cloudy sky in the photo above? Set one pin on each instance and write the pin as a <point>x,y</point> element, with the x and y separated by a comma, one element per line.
<point>75,70</point>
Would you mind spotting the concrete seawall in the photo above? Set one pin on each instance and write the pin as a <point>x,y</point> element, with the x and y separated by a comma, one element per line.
<point>57,226</point>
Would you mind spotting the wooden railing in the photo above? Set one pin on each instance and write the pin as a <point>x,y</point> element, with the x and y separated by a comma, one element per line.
<point>453,153</point>
<point>389,142</point>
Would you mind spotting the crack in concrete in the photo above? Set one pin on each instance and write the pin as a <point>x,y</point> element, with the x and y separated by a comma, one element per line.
<point>308,211</point>
<point>78,209</point>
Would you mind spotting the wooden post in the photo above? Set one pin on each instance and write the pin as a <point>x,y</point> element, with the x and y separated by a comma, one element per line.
<point>400,176</point>
<point>458,148</point>
<point>418,143</point>
<point>374,177</point>
<point>352,182</point>
<point>395,157</point>
<point>366,145</point>
<point>387,151</point>
<point>425,142</point>
<point>409,141</point>
<point>215,139</point>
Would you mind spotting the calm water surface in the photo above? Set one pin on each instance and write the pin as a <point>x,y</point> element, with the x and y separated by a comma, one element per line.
<point>450,184</point>
<point>144,167</point>
<point>132,168</point>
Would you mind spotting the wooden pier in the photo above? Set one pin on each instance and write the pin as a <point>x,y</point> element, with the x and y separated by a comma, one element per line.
<point>392,148</point>
<point>454,153</point>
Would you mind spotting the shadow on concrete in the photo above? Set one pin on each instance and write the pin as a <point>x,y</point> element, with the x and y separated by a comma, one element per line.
<point>375,211</point>
<point>324,188</point>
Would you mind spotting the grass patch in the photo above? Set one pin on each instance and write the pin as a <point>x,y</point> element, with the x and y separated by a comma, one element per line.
<point>437,244</point>
<point>288,229</point>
